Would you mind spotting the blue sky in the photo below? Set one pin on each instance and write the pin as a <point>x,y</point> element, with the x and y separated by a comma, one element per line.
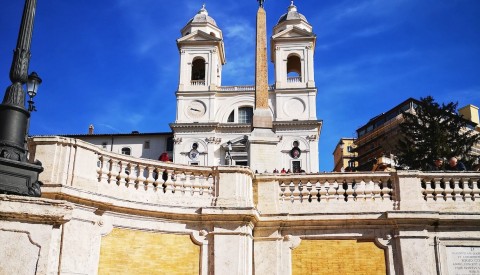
<point>114,63</point>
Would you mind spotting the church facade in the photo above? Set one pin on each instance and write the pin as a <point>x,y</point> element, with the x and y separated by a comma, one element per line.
<point>213,122</point>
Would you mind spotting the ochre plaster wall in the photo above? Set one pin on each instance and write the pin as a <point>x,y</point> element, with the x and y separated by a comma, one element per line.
<point>338,257</point>
<point>137,252</point>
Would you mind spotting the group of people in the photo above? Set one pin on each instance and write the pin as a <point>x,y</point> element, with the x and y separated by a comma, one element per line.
<point>453,165</point>
<point>283,171</point>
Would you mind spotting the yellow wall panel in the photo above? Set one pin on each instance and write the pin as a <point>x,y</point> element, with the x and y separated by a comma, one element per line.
<point>338,257</point>
<point>137,252</point>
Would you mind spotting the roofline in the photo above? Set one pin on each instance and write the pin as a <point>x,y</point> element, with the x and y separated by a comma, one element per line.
<point>110,135</point>
<point>375,118</point>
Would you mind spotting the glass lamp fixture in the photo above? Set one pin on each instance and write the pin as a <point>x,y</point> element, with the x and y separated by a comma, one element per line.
<point>32,85</point>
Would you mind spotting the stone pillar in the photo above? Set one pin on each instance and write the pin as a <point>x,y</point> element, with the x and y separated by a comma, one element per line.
<point>415,252</point>
<point>233,249</point>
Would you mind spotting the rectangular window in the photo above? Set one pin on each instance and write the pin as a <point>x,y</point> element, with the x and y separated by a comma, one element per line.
<point>194,163</point>
<point>349,148</point>
<point>146,144</point>
<point>296,166</point>
<point>104,145</point>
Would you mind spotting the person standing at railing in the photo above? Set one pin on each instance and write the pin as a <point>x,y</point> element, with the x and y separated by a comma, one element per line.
<point>455,165</point>
<point>438,165</point>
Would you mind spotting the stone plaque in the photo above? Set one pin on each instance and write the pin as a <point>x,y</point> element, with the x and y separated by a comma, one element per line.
<point>463,260</point>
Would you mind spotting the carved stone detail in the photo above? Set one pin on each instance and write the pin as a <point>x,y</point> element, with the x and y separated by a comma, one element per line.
<point>177,140</point>
<point>312,137</point>
<point>213,140</point>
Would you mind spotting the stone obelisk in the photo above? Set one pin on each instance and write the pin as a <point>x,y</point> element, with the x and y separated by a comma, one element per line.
<point>262,117</point>
<point>262,143</point>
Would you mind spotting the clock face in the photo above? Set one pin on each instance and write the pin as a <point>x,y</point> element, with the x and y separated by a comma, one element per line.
<point>196,109</point>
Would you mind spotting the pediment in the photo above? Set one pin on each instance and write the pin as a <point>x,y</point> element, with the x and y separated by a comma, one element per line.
<point>198,36</point>
<point>293,33</point>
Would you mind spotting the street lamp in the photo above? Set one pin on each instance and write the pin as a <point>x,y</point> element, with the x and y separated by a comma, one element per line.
<point>32,87</point>
<point>17,175</point>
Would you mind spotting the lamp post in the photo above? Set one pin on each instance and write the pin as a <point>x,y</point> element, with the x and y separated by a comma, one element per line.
<point>17,175</point>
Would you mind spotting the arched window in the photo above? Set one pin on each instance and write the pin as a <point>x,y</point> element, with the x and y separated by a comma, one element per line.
<point>126,151</point>
<point>198,69</point>
<point>294,69</point>
<point>245,115</point>
<point>231,117</point>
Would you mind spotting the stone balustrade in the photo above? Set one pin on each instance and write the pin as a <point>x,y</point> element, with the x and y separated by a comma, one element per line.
<point>197,82</point>
<point>76,168</point>
<point>451,187</point>
<point>368,192</point>
<point>242,88</point>
<point>294,79</point>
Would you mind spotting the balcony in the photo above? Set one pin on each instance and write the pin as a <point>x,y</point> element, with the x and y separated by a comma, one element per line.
<point>197,82</point>
<point>294,79</point>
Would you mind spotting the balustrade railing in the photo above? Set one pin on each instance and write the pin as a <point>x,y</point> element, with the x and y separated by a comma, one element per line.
<point>451,188</point>
<point>294,79</point>
<point>76,168</point>
<point>169,179</point>
<point>197,82</point>
<point>242,88</point>
<point>320,189</point>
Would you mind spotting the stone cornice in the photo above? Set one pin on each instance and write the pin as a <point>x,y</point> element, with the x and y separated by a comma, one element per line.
<point>40,210</point>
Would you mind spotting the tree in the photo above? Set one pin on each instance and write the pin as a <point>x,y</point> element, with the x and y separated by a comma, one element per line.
<point>433,131</point>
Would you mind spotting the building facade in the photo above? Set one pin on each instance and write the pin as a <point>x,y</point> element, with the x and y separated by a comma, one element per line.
<point>210,117</point>
<point>344,156</point>
<point>377,140</point>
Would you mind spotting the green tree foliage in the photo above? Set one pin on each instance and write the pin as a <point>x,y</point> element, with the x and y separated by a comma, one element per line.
<point>434,131</point>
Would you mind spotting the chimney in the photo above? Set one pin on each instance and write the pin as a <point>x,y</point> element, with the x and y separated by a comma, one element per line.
<point>470,112</point>
<point>90,129</point>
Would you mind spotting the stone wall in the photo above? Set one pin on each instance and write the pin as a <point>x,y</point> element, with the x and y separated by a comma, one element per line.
<point>240,223</point>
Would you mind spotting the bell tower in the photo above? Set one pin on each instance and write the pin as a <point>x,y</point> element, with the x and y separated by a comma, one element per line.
<point>202,54</point>
<point>292,50</point>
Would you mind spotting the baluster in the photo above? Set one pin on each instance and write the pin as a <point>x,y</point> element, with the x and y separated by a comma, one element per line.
<point>361,191</point>
<point>149,180</point>
<point>336,190</point>
<point>113,172</point>
<point>457,196</point>
<point>159,179</point>
<point>99,168</point>
<point>123,173</point>
<point>376,190</point>
<point>106,165</point>
<point>324,191</point>
<point>197,184</point>
<point>141,179</point>
<point>300,191</point>
<point>211,185</point>
<point>169,184</point>
<point>309,190</point>
<point>475,189</point>
<point>468,190</point>
<point>349,190</point>
<point>132,176</point>
<point>187,184</point>
<point>429,191</point>
<point>448,190</point>
<point>291,187</point>
<point>282,191</point>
